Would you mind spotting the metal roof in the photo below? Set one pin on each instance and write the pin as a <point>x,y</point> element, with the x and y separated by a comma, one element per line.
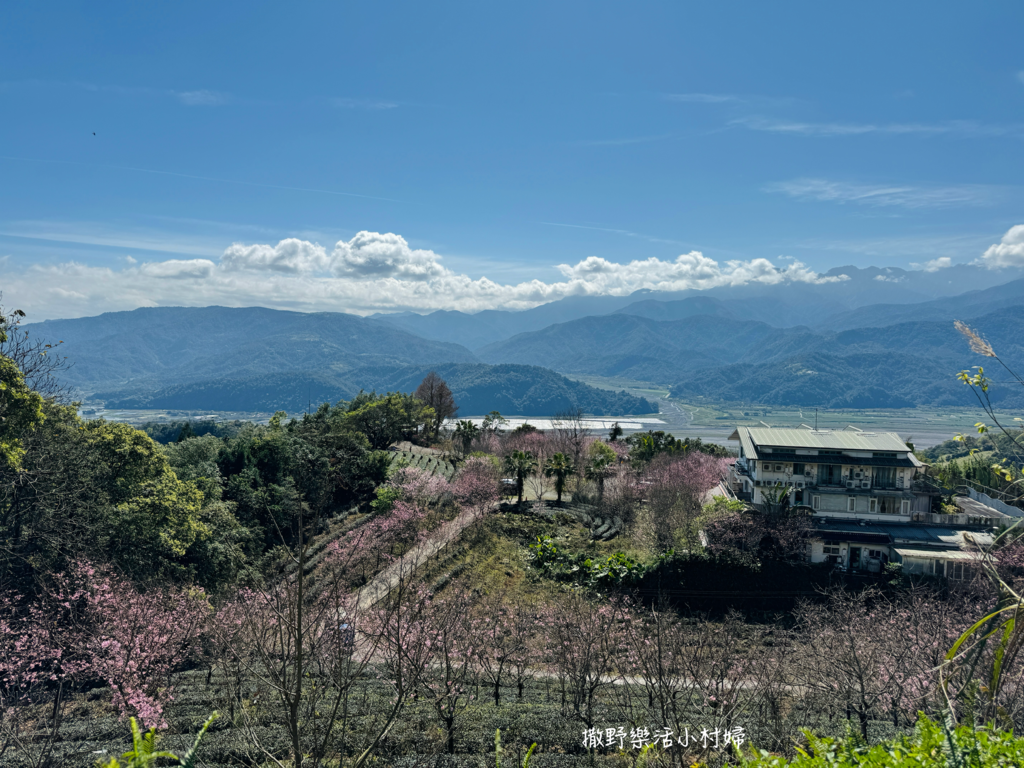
<point>905,534</point>
<point>845,440</point>
<point>973,507</point>
<point>933,554</point>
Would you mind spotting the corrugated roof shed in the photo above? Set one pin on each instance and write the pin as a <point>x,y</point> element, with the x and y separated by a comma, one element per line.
<point>909,534</point>
<point>973,507</point>
<point>944,554</point>
<point>841,440</point>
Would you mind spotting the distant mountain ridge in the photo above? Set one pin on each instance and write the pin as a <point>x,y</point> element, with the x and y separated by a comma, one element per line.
<point>256,359</point>
<point>730,343</point>
<point>152,346</point>
<point>782,305</point>
<point>518,390</point>
<point>724,358</point>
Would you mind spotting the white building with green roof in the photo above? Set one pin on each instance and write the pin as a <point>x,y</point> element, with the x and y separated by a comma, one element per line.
<point>868,497</point>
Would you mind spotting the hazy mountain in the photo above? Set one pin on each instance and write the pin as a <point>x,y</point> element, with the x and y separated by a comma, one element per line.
<point>961,307</point>
<point>178,344</point>
<point>707,354</point>
<point>736,341</point>
<point>256,359</point>
<point>783,305</point>
<point>638,347</point>
<point>517,390</point>
<point>890,367</point>
<point>483,328</point>
<point>681,309</point>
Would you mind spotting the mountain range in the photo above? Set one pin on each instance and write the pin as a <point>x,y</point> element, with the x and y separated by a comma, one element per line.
<point>256,359</point>
<point>867,338</point>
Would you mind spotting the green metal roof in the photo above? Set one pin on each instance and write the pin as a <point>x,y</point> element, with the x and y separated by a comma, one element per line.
<point>836,440</point>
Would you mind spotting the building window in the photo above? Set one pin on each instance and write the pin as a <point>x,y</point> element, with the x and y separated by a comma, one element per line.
<point>875,554</point>
<point>885,477</point>
<point>851,504</point>
<point>958,570</point>
<point>830,547</point>
<point>883,455</point>
<point>815,502</point>
<point>905,507</point>
<point>872,505</point>
<point>798,469</point>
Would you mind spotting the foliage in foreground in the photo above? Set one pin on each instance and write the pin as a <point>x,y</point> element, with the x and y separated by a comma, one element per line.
<point>144,753</point>
<point>931,744</point>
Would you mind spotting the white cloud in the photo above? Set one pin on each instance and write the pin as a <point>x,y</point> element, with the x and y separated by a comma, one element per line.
<point>371,254</point>
<point>701,98</point>
<point>888,279</point>
<point>289,256</point>
<point>178,268</point>
<point>370,272</point>
<point>904,196</point>
<point>372,104</point>
<point>961,128</point>
<point>1020,75</point>
<point>943,262</point>
<point>1008,253</point>
<point>201,98</point>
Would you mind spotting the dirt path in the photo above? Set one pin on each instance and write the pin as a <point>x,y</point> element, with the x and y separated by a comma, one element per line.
<point>385,581</point>
<point>381,584</point>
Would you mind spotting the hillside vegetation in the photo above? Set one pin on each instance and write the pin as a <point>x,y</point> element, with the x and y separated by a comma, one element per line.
<point>522,390</point>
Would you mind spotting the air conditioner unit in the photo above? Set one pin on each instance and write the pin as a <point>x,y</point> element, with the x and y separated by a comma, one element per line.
<point>865,484</point>
<point>799,484</point>
<point>790,483</point>
<point>858,474</point>
<point>850,483</point>
<point>807,473</point>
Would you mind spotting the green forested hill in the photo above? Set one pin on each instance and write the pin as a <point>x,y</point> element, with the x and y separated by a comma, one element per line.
<point>899,365</point>
<point>152,348</point>
<point>891,367</point>
<point>637,347</point>
<point>520,390</point>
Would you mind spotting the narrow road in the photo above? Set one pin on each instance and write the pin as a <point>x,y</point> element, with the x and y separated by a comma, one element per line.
<point>381,584</point>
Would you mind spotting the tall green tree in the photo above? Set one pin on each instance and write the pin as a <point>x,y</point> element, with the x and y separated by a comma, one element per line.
<point>383,419</point>
<point>21,408</point>
<point>154,516</point>
<point>559,467</point>
<point>521,465</point>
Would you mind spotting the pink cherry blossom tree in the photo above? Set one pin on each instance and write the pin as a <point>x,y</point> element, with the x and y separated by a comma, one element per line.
<point>129,638</point>
<point>503,630</point>
<point>583,644</point>
<point>676,491</point>
<point>476,484</point>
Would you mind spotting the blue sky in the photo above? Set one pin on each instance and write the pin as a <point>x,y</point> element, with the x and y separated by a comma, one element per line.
<point>488,144</point>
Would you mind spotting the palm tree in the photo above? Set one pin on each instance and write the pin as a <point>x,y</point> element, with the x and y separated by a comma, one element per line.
<point>466,432</point>
<point>599,468</point>
<point>520,464</point>
<point>560,467</point>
